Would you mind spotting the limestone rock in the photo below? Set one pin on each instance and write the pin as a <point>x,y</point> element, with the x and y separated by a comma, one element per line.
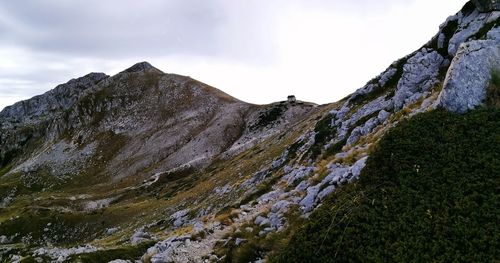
<point>112,230</point>
<point>120,261</point>
<point>468,26</point>
<point>179,218</point>
<point>469,75</point>
<point>60,98</point>
<point>280,206</point>
<point>358,166</point>
<point>139,237</point>
<point>297,174</point>
<point>419,75</point>
<point>4,239</point>
<point>259,219</point>
<point>386,76</point>
<point>309,201</point>
<point>325,192</point>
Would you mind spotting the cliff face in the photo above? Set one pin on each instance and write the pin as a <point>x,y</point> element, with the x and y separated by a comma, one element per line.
<point>162,160</point>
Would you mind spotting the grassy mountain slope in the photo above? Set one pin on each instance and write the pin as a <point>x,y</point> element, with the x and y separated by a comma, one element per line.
<point>429,192</point>
<point>163,168</point>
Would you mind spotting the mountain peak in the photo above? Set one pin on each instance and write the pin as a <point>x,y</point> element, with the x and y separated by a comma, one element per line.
<point>140,67</point>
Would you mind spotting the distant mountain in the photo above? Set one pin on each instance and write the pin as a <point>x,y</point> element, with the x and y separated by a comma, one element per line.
<point>163,168</point>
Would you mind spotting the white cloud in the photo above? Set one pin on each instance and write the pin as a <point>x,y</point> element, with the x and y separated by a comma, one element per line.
<point>258,51</point>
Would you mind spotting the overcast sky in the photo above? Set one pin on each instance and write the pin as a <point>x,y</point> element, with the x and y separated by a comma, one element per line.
<point>259,51</point>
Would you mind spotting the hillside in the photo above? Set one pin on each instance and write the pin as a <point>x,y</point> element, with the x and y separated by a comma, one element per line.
<point>428,192</point>
<point>158,167</point>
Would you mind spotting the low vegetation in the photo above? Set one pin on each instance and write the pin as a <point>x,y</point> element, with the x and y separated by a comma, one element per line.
<point>255,245</point>
<point>493,91</point>
<point>324,133</point>
<point>124,253</point>
<point>269,116</point>
<point>429,191</point>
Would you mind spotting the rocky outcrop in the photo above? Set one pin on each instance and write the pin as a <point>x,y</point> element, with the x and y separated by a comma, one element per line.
<point>470,27</point>
<point>49,104</point>
<point>420,74</point>
<point>470,74</point>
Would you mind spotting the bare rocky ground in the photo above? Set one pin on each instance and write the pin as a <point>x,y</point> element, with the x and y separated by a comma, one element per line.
<point>153,167</point>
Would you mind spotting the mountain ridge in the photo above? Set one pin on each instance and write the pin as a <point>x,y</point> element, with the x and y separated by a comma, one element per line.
<point>193,174</point>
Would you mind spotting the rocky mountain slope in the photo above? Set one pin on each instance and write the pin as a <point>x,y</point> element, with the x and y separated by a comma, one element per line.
<point>159,167</point>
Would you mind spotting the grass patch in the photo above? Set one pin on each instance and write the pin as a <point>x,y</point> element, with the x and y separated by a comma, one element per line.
<point>493,91</point>
<point>5,170</point>
<point>269,116</point>
<point>44,225</point>
<point>292,150</point>
<point>256,246</point>
<point>324,133</point>
<point>125,253</point>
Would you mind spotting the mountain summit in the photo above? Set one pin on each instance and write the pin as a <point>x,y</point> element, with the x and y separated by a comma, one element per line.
<point>141,66</point>
<point>158,167</point>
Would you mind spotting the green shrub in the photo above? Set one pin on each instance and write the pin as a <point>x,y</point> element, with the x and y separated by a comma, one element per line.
<point>429,192</point>
<point>269,116</point>
<point>493,91</point>
<point>324,133</point>
<point>125,253</point>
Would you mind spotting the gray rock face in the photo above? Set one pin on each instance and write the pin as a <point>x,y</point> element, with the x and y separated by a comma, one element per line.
<point>60,98</point>
<point>139,237</point>
<point>276,220</point>
<point>112,230</point>
<point>120,261</point>
<point>297,174</point>
<point>325,192</point>
<point>358,166</point>
<point>337,172</point>
<point>469,75</point>
<point>367,128</point>
<point>61,254</point>
<point>386,76</point>
<point>308,202</point>
<point>262,221</point>
<point>420,73</point>
<point>4,239</point>
<point>280,206</point>
<point>179,218</point>
<point>168,250</point>
<point>469,26</point>
<point>378,104</point>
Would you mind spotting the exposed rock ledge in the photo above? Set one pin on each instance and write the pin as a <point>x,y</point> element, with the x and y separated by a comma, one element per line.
<point>470,73</point>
